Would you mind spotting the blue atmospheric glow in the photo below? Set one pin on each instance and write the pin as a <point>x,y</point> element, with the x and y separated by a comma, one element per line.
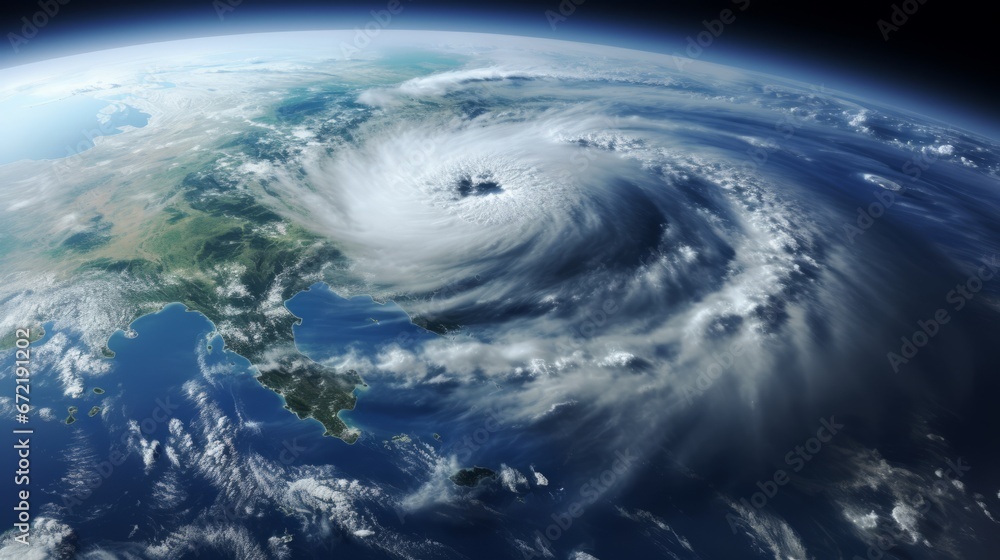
<point>917,95</point>
<point>626,289</point>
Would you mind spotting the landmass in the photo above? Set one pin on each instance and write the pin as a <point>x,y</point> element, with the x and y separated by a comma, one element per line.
<point>203,238</point>
<point>36,332</point>
<point>94,411</point>
<point>473,476</point>
<point>98,391</point>
<point>314,391</point>
<point>218,251</point>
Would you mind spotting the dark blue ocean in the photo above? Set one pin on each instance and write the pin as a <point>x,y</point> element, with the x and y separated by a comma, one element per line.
<point>88,476</point>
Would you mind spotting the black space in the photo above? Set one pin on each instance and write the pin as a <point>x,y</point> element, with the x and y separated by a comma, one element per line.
<point>944,52</point>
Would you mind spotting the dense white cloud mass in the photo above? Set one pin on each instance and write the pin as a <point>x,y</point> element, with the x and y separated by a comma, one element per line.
<point>623,260</point>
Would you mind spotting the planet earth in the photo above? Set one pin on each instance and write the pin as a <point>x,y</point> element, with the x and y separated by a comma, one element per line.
<point>452,295</point>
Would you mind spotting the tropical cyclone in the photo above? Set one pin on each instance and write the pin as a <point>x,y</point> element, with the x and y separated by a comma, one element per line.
<point>618,256</point>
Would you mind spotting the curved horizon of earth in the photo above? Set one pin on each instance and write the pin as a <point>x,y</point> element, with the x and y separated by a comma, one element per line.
<point>564,300</point>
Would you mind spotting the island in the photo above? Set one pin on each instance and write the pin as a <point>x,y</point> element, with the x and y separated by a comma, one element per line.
<point>473,476</point>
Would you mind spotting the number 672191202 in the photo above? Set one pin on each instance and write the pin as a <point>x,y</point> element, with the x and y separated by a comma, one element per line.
<point>22,371</point>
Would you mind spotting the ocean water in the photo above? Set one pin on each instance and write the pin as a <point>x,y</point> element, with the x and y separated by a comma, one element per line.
<point>51,129</point>
<point>111,478</point>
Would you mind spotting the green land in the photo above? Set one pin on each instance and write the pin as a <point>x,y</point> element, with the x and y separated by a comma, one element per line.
<point>197,231</point>
<point>473,476</point>
<point>214,248</point>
